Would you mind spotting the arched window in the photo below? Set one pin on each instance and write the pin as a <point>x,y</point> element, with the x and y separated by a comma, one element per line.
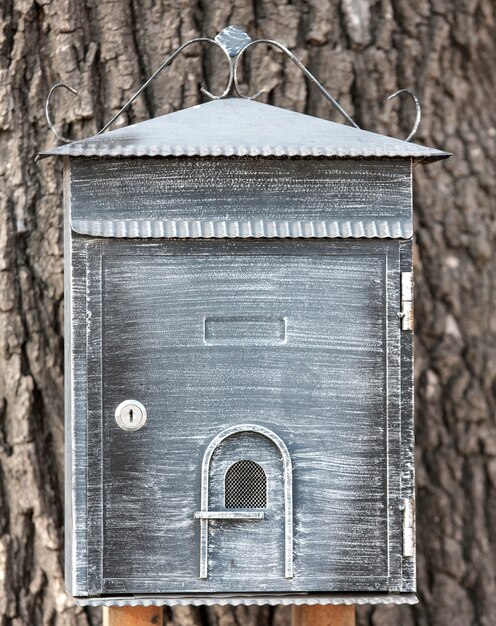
<point>245,486</point>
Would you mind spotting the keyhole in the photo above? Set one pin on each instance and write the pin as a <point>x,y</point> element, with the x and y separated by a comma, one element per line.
<point>130,415</point>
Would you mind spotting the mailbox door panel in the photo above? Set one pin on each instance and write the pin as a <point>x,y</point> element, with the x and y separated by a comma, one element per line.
<point>298,339</point>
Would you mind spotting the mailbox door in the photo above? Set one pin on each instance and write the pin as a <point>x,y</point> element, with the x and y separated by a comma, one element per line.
<point>300,338</point>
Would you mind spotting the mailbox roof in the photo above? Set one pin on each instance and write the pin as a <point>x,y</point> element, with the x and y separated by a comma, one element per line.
<point>239,127</point>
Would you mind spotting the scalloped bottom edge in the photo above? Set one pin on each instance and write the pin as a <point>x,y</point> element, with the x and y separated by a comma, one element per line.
<point>238,599</point>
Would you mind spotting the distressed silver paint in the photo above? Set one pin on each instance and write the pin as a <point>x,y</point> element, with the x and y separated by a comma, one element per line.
<point>241,198</point>
<point>246,296</point>
<point>104,260</point>
<point>409,527</point>
<point>119,264</point>
<point>407,300</point>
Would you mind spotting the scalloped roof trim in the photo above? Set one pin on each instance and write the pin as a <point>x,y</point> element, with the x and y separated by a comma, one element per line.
<point>197,229</point>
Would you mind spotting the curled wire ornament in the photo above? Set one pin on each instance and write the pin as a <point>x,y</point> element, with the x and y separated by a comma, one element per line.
<point>47,109</point>
<point>165,64</point>
<point>418,110</point>
<point>299,64</point>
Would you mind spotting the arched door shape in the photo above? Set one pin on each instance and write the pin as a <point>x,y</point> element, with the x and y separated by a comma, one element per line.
<point>232,514</point>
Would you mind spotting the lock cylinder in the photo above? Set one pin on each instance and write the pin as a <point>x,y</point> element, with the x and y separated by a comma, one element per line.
<point>130,415</point>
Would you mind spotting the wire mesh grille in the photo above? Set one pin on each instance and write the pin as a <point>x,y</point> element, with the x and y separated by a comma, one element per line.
<point>245,486</point>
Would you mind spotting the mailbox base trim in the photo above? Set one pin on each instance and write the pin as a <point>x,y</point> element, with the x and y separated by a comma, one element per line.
<point>259,600</point>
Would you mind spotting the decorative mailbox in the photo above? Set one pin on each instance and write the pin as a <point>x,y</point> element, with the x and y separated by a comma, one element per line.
<point>239,360</point>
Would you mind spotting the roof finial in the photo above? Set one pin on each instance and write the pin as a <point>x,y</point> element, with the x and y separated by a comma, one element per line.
<point>233,39</point>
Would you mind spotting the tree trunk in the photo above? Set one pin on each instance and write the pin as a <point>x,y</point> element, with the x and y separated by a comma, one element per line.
<point>362,50</point>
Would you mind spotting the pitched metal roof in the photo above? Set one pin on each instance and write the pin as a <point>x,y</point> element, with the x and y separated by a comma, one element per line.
<point>239,127</point>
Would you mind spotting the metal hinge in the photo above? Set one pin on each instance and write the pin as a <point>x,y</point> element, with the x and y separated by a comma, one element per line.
<point>406,313</point>
<point>408,526</point>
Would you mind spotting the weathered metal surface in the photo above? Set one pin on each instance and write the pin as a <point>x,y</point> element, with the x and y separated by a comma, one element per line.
<point>75,405</point>
<point>408,527</point>
<point>330,388</point>
<point>407,300</point>
<point>223,600</point>
<point>239,127</point>
<point>408,565</point>
<point>239,198</point>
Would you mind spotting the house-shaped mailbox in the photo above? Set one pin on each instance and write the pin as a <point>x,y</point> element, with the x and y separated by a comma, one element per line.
<point>239,360</point>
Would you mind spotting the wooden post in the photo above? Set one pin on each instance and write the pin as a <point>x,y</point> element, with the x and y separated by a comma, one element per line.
<point>304,615</point>
<point>132,616</point>
<point>328,615</point>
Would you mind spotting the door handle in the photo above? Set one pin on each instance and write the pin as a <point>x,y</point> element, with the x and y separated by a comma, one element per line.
<point>230,515</point>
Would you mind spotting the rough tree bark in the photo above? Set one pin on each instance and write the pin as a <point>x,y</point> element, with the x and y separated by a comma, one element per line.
<point>362,50</point>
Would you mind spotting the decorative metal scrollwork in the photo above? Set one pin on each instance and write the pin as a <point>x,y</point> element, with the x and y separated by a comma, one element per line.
<point>299,64</point>
<point>165,64</point>
<point>234,43</point>
<point>418,110</point>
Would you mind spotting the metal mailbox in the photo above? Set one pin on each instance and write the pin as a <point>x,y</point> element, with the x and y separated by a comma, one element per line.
<point>239,360</point>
